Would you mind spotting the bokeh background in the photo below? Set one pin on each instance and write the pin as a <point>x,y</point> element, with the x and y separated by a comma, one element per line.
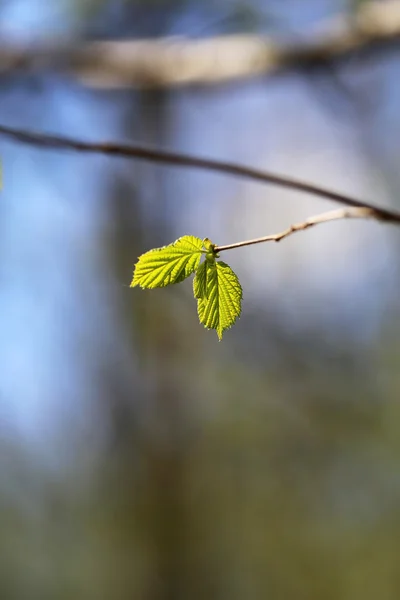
<point>139,457</point>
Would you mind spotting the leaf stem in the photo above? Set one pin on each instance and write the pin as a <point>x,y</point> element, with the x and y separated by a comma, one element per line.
<point>332,215</point>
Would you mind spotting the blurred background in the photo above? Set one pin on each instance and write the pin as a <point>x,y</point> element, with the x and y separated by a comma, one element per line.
<point>139,457</point>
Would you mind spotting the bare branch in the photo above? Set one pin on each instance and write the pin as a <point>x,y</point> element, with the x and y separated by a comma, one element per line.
<point>332,215</point>
<point>177,61</point>
<point>176,159</point>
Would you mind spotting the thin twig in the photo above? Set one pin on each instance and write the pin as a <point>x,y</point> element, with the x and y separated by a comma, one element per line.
<point>156,155</point>
<point>332,215</point>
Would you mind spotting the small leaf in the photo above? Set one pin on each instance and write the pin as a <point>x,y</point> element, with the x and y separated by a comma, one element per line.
<point>170,264</point>
<point>219,296</point>
<point>211,255</point>
<point>208,245</point>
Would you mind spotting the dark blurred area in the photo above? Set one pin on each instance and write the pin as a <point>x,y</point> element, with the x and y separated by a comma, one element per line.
<point>139,457</point>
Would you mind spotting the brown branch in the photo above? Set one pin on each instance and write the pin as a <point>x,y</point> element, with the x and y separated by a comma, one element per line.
<point>332,215</point>
<point>176,159</point>
<point>177,61</point>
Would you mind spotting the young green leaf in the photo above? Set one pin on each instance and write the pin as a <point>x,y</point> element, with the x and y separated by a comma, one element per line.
<point>209,248</point>
<point>219,295</point>
<point>170,264</point>
<point>200,281</point>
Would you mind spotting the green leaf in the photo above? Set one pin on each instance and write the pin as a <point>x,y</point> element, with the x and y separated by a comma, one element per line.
<point>219,296</point>
<point>170,264</point>
<point>211,255</point>
<point>200,281</point>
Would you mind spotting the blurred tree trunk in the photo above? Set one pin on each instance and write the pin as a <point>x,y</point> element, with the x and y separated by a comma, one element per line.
<point>148,442</point>
<point>156,439</point>
<point>164,451</point>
